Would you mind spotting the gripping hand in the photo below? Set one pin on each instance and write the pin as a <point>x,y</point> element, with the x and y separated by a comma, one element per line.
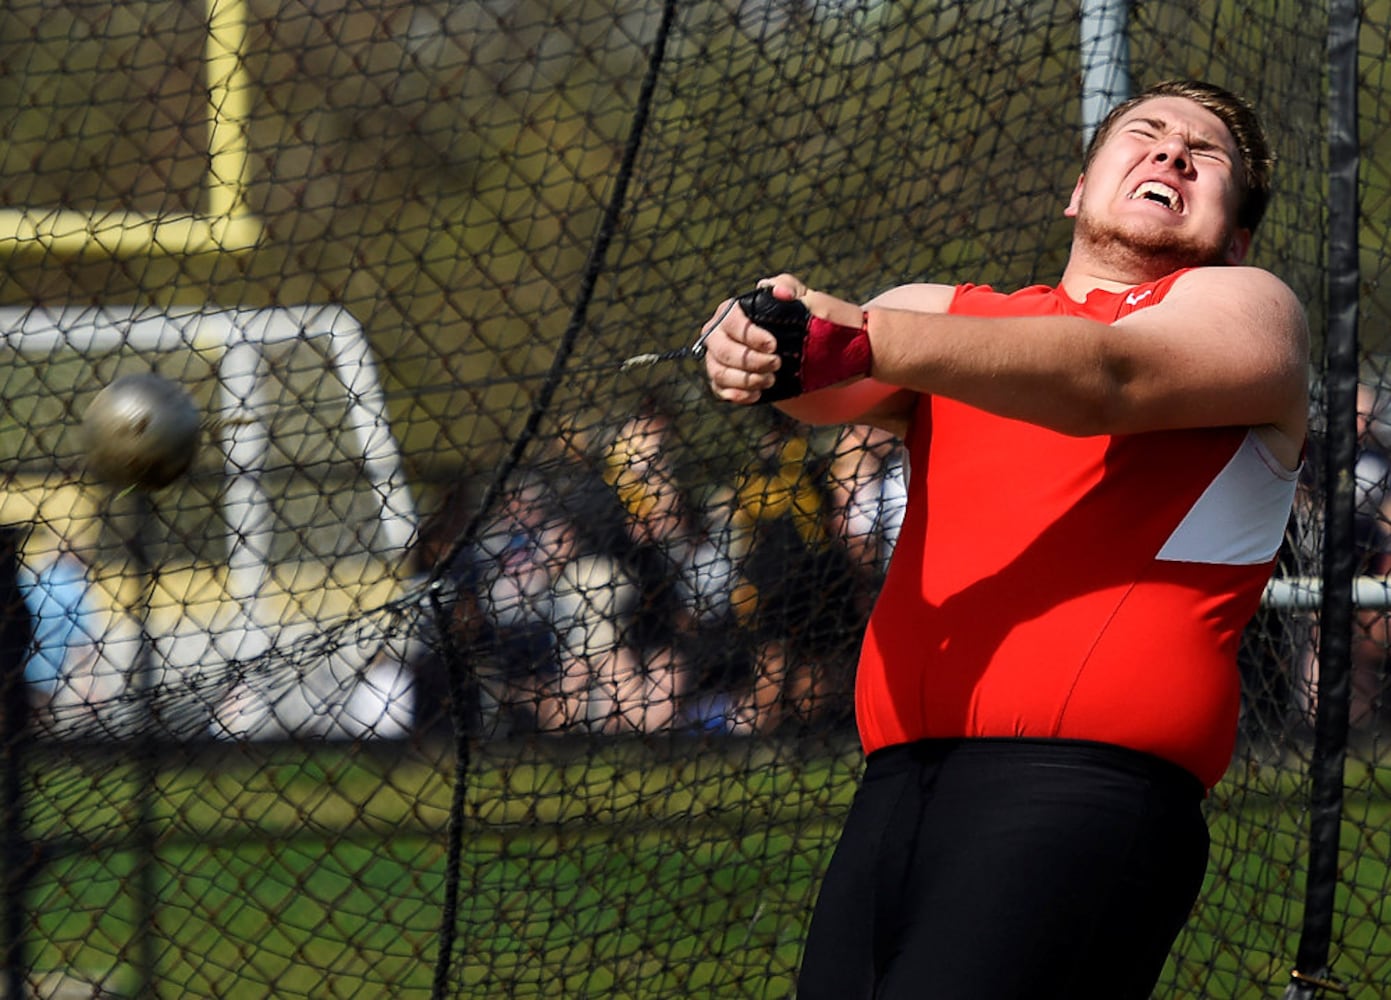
<point>814,352</point>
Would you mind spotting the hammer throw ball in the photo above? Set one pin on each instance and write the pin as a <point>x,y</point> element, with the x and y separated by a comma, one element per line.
<point>141,432</point>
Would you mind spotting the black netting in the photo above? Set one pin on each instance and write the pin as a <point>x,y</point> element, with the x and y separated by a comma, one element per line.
<point>469,659</point>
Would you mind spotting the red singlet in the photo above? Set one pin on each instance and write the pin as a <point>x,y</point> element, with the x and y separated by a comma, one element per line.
<point>1086,588</point>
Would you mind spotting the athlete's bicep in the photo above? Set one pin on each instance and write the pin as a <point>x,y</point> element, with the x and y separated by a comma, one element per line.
<point>920,297</point>
<point>1226,346</point>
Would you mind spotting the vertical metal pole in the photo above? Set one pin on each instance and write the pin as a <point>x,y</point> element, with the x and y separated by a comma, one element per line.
<point>1312,975</point>
<point>144,749</point>
<point>1105,60</point>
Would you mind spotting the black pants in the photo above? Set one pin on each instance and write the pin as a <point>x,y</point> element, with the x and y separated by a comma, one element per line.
<point>1007,869</point>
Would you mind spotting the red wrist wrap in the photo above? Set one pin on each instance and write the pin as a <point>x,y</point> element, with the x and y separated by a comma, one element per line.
<point>834,353</point>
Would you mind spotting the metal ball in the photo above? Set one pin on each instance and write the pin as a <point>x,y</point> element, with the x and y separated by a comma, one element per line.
<point>141,432</point>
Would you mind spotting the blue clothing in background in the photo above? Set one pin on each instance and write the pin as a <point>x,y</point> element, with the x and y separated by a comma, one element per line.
<point>56,596</point>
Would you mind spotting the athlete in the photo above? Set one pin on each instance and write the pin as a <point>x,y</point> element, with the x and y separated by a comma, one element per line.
<point>1048,682</point>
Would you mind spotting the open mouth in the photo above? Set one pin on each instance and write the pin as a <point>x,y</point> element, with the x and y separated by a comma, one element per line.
<point>1160,194</point>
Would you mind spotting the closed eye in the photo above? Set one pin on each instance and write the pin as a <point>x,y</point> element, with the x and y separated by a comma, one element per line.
<point>1212,153</point>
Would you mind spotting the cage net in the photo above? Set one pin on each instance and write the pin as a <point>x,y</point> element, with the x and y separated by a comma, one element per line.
<point>471,657</point>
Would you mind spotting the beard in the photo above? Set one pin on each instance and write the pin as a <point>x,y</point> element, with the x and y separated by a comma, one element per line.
<point>1153,252</point>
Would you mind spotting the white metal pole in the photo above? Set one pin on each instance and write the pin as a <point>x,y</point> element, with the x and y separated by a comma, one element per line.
<point>1105,60</point>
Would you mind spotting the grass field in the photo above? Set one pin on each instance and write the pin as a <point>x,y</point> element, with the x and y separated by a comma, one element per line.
<point>679,869</point>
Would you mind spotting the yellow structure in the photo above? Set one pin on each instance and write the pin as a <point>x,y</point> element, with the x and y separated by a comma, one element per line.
<point>226,225</point>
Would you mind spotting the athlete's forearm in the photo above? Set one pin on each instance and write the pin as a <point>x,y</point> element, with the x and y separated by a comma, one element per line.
<point>861,402</point>
<point>1055,371</point>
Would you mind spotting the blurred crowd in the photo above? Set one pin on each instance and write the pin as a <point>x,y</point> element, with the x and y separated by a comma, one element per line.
<point>607,595</point>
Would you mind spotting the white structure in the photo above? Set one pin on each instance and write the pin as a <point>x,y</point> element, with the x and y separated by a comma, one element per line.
<point>255,605</point>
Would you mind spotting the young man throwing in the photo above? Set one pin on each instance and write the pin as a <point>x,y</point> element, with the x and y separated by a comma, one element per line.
<point>1048,682</point>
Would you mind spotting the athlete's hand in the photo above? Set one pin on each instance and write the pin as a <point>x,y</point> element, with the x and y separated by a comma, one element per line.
<point>782,340</point>
<point>741,359</point>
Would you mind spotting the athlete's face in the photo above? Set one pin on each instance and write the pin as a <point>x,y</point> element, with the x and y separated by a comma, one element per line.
<point>1164,185</point>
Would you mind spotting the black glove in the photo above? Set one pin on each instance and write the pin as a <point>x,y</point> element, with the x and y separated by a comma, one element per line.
<point>785,319</point>
<point>815,352</point>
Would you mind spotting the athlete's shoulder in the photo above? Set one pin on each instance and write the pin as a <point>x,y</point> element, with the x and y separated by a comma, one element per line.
<point>1234,294</point>
<point>1235,280</point>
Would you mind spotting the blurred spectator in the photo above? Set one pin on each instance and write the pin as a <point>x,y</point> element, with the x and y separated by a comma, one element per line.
<point>1371,481</point>
<point>430,660</point>
<point>601,682</point>
<point>1372,538</point>
<point>54,582</point>
<point>1372,634</point>
<point>516,564</point>
<point>560,612</point>
<point>658,552</point>
<point>576,468</point>
<point>798,592</point>
<point>869,494</point>
<point>720,651</point>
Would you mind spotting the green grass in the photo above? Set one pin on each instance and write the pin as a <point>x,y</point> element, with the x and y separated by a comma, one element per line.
<point>632,871</point>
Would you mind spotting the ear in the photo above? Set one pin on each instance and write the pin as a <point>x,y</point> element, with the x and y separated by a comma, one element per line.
<point>1076,200</point>
<point>1237,247</point>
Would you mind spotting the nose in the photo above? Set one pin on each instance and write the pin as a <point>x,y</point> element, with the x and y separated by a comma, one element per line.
<point>1174,150</point>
